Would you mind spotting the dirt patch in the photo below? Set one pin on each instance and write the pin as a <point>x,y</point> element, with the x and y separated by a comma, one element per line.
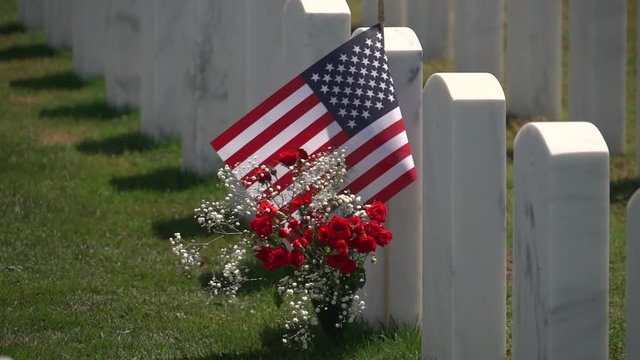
<point>509,265</point>
<point>55,137</point>
<point>27,100</point>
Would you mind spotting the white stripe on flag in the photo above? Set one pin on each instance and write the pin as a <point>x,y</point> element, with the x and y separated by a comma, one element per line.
<point>265,121</point>
<point>387,178</point>
<point>281,138</point>
<point>375,157</point>
<point>372,130</point>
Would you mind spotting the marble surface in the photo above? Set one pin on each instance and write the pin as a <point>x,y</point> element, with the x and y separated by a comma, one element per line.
<point>312,29</point>
<point>464,212</point>
<point>597,67</point>
<point>88,36</point>
<point>432,21</point>
<point>57,18</point>
<point>216,78</point>
<point>122,53</point>
<point>534,53</point>
<point>162,77</point>
<point>395,12</point>
<point>560,242</point>
<point>265,22</point>
<point>394,287</point>
<point>633,279</point>
<point>479,36</point>
<point>33,13</point>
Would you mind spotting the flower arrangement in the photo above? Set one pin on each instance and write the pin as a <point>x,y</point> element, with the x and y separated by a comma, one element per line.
<point>321,234</point>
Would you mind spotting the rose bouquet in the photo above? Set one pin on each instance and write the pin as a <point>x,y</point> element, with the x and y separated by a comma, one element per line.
<point>320,233</point>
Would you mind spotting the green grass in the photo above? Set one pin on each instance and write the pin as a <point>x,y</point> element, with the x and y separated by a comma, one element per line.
<point>87,205</point>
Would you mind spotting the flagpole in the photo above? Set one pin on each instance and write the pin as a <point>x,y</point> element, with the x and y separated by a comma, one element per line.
<point>381,12</point>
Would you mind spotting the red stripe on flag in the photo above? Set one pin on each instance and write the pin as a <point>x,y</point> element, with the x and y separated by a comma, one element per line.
<point>380,168</point>
<point>258,112</point>
<point>380,138</point>
<point>398,184</point>
<point>296,142</point>
<point>274,129</point>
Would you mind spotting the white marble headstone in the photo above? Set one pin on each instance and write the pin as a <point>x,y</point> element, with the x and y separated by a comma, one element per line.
<point>534,53</point>
<point>597,67</point>
<point>122,53</point>
<point>464,229</point>
<point>33,13</point>
<point>394,287</point>
<point>633,279</point>
<point>312,29</point>
<point>162,75</point>
<point>396,12</point>
<point>479,36</point>
<point>432,22</point>
<point>560,242</point>
<point>216,78</point>
<point>57,23</point>
<point>88,37</point>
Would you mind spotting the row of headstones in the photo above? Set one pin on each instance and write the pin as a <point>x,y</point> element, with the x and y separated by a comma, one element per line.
<point>457,133</point>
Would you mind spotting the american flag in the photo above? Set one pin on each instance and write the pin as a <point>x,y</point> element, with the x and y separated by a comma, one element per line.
<point>346,100</point>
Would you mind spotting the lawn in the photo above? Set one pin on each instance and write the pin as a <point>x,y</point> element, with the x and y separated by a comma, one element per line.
<point>87,205</point>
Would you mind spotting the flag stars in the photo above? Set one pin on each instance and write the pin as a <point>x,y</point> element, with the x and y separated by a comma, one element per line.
<point>329,67</point>
<point>342,112</point>
<point>380,95</point>
<point>356,102</point>
<point>315,77</point>
<point>344,57</point>
<point>383,85</point>
<point>391,97</point>
<point>361,81</point>
<point>375,63</point>
<point>345,101</point>
<point>372,83</point>
<point>324,89</point>
<point>341,68</point>
<point>333,101</point>
<point>369,42</point>
<point>378,44</point>
<point>354,112</point>
<point>351,123</point>
<point>374,73</point>
<point>356,49</point>
<point>365,61</point>
<point>348,91</point>
<point>352,69</point>
<point>363,71</point>
<point>336,89</point>
<point>365,114</point>
<point>369,93</point>
<point>354,59</point>
<point>350,80</point>
<point>367,52</point>
<point>338,79</point>
<point>379,35</point>
<point>359,92</point>
<point>326,78</point>
<point>368,103</point>
<point>378,105</point>
<point>377,54</point>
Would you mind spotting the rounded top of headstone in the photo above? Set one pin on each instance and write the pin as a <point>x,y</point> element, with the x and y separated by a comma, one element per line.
<point>565,137</point>
<point>633,208</point>
<point>322,6</point>
<point>397,39</point>
<point>468,86</point>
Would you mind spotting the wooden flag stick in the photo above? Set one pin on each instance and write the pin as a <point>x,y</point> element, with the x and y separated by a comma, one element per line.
<point>381,11</point>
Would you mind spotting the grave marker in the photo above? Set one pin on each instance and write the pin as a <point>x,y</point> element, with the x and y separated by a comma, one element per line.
<point>432,20</point>
<point>57,20</point>
<point>633,278</point>
<point>88,37</point>
<point>534,51</point>
<point>597,67</point>
<point>560,242</point>
<point>464,212</point>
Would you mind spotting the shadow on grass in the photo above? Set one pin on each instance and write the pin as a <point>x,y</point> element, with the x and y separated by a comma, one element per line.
<point>11,28</point>
<point>24,52</point>
<point>161,180</point>
<point>325,346</point>
<point>98,109</point>
<point>187,226</point>
<point>66,80</point>
<point>622,190</point>
<point>117,145</point>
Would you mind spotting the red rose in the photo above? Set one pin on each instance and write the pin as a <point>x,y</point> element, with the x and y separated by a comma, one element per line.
<point>377,211</point>
<point>384,237</point>
<point>301,242</point>
<point>338,261</point>
<point>262,252</point>
<point>341,246</point>
<point>283,233</point>
<point>357,224</point>
<point>304,199</point>
<point>302,154</point>
<point>263,226</point>
<point>294,223</point>
<point>263,176</point>
<point>340,228</point>
<point>348,267</point>
<point>278,258</point>
<point>365,244</point>
<point>288,157</point>
<point>266,208</point>
<point>373,229</point>
<point>308,234</point>
<point>297,258</point>
<point>325,235</point>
